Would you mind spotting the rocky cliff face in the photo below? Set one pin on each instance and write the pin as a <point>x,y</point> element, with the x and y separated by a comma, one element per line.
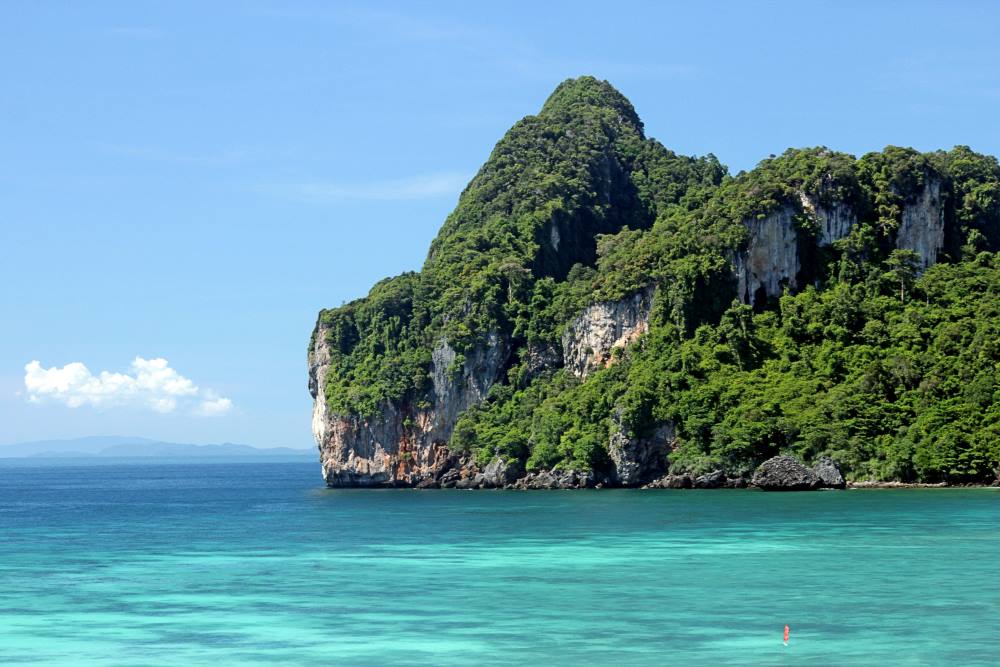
<point>834,222</point>
<point>603,327</point>
<point>922,227</point>
<point>770,261</point>
<point>459,387</point>
<point>638,457</point>
<point>401,444</point>
<point>404,445</point>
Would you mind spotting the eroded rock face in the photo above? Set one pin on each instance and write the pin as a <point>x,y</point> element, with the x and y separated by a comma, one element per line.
<point>603,327</point>
<point>922,227</point>
<point>402,445</point>
<point>540,358</point>
<point>770,261</point>
<point>457,389</point>
<point>784,473</point>
<point>834,222</point>
<point>712,480</point>
<point>556,479</point>
<point>828,472</point>
<point>500,473</point>
<point>682,481</point>
<point>637,459</point>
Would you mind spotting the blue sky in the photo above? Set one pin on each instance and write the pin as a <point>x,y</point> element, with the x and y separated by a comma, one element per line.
<point>192,182</point>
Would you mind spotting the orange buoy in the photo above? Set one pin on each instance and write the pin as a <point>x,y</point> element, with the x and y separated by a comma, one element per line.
<point>786,634</point>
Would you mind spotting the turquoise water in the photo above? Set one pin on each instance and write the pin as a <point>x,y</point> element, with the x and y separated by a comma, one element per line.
<point>256,563</point>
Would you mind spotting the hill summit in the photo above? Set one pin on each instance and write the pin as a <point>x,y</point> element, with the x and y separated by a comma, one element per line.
<point>600,310</point>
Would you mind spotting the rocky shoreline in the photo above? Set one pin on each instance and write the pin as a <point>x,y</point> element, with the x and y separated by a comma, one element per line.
<point>781,473</point>
<point>573,480</point>
<point>871,484</point>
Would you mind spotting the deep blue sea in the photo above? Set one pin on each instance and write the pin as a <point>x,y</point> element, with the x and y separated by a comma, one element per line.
<point>256,563</point>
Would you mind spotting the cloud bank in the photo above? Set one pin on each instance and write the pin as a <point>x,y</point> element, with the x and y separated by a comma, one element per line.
<point>149,383</point>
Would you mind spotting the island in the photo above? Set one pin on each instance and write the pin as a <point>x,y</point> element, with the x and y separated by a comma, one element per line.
<point>599,311</point>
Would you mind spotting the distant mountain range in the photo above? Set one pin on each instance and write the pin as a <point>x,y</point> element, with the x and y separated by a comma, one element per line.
<point>124,447</point>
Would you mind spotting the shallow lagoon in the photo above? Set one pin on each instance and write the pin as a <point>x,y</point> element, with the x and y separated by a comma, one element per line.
<point>256,563</point>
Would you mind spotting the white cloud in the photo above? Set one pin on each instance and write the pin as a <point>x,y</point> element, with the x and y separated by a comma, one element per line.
<point>213,405</point>
<point>150,383</point>
<point>417,187</point>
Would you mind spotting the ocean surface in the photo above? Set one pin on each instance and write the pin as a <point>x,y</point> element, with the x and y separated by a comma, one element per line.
<point>256,563</point>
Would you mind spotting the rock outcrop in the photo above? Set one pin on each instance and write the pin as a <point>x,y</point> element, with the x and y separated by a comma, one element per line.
<point>922,228</point>
<point>716,479</point>
<point>401,444</point>
<point>682,481</point>
<point>828,472</point>
<point>500,473</point>
<point>557,479</point>
<point>770,261</point>
<point>712,480</point>
<point>603,327</point>
<point>833,222</point>
<point>637,459</point>
<point>786,473</point>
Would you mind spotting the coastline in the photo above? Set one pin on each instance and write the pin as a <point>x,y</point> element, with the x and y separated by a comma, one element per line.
<point>917,485</point>
<point>849,486</point>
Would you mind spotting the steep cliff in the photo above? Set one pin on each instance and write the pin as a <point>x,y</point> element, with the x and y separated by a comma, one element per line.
<point>402,443</point>
<point>600,311</point>
<point>922,226</point>
<point>834,220</point>
<point>602,328</point>
<point>770,263</point>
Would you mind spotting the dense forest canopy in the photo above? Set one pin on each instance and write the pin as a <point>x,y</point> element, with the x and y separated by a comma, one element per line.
<point>888,366</point>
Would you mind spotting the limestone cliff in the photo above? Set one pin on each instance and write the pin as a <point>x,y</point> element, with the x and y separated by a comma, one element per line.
<point>772,259</point>
<point>604,327</point>
<point>638,457</point>
<point>403,443</point>
<point>922,228</point>
<point>770,262</point>
<point>406,445</point>
<point>833,221</point>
